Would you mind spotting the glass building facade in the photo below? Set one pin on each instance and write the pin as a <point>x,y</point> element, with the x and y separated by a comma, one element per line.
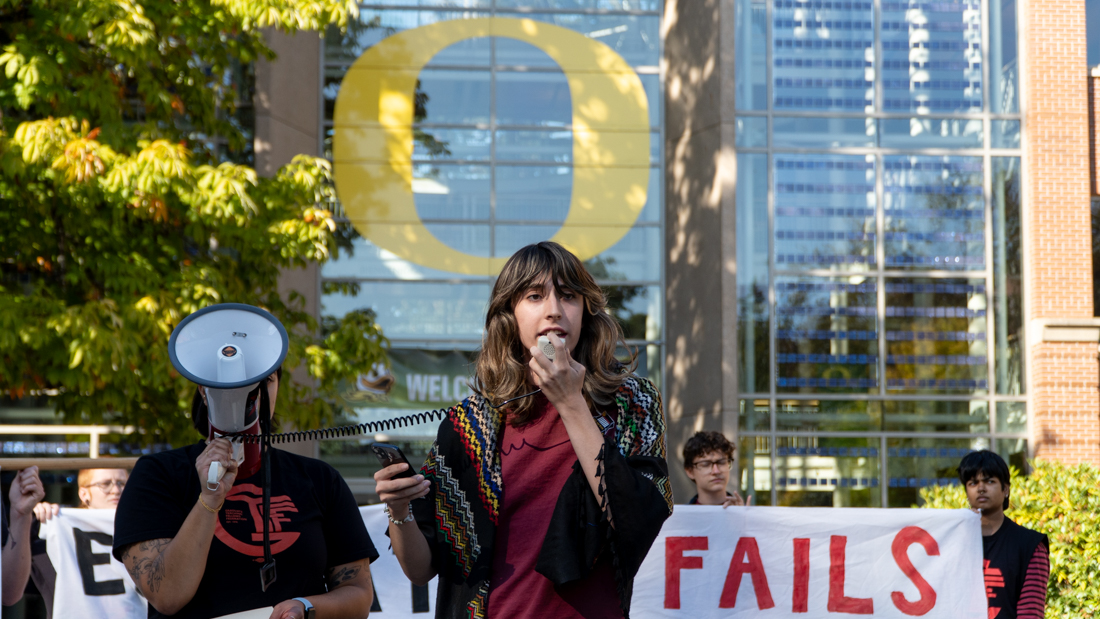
<point>494,165</point>
<point>879,310</point>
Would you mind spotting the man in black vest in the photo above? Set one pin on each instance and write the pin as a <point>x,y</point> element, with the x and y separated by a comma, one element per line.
<point>1016,559</point>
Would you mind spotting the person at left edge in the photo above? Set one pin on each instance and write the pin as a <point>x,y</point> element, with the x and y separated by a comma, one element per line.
<point>196,553</point>
<point>15,536</point>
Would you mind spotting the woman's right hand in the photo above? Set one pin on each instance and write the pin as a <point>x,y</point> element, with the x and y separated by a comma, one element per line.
<point>219,450</point>
<point>398,492</point>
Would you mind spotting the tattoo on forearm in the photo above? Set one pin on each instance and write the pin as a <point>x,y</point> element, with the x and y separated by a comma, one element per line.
<point>146,564</point>
<point>340,575</point>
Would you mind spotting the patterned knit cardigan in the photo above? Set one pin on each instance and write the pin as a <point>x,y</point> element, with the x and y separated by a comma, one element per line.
<point>460,514</point>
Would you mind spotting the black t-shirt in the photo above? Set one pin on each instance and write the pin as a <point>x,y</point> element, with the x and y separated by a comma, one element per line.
<point>1007,553</point>
<point>316,525</point>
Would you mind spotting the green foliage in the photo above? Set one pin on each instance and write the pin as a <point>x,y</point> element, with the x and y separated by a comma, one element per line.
<point>118,218</point>
<point>1064,503</point>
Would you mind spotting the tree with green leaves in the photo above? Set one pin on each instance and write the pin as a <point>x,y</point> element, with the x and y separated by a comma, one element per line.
<point>122,212</point>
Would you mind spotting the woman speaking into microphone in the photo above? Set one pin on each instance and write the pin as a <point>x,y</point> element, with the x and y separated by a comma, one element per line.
<point>538,504</point>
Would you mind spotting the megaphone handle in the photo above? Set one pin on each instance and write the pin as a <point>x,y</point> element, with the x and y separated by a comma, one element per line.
<point>214,476</point>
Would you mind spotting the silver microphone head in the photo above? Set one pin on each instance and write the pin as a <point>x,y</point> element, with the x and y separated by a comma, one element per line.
<point>546,347</point>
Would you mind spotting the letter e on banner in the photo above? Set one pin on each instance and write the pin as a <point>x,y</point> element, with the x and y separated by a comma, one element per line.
<point>87,560</point>
<point>904,539</point>
<point>838,602</point>
<point>747,548</point>
<point>676,561</point>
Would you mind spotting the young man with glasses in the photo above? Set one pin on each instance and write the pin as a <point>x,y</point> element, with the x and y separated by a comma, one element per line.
<point>96,489</point>
<point>708,460</point>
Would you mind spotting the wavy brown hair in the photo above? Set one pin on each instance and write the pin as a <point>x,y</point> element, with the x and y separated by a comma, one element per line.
<point>502,371</point>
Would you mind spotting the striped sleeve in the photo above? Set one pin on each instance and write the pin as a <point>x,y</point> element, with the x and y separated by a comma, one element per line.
<point>1033,596</point>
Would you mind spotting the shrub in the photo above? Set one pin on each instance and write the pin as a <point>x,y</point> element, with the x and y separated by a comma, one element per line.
<point>1064,503</point>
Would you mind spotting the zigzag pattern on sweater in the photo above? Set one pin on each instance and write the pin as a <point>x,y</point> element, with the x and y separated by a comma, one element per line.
<point>640,432</point>
<point>453,515</point>
<point>478,427</point>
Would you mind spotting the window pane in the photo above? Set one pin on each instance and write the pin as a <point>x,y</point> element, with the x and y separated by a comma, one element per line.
<point>374,25</point>
<point>546,146</point>
<point>754,416</point>
<point>754,457</point>
<point>473,239</point>
<point>533,99</point>
<point>364,259</point>
<point>932,133</point>
<point>634,37</point>
<point>433,143</point>
<point>825,338</point>
<point>1011,417</point>
<point>752,272</point>
<point>580,5</point>
<point>823,56</point>
<point>524,192</point>
<point>1014,451</point>
<point>459,97</point>
<point>932,57</point>
<point>935,336</point>
<point>751,55</point>
<point>827,472</point>
<point>1006,133</point>
<point>935,213</point>
<point>752,131</point>
<point>418,310</point>
<point>824,212</point>
<point>1004,70</point>
<point>828,416</point>
<point>1008,307</point>
<point>638,310</point>
<point>823,132</point>
<point>906,416</point>
<point>446,191</point>
<point>915,463</point>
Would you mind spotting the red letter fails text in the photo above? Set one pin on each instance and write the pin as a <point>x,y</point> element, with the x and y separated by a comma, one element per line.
<point>676,561</point>
<point>904,539</point>
<point>838,602</point>
<point>754,567</point>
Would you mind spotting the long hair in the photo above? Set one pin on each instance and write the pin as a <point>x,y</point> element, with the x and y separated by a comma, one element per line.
<point>502,371</point>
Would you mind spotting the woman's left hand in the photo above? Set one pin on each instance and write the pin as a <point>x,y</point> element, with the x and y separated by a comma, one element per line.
<point>560,379</point>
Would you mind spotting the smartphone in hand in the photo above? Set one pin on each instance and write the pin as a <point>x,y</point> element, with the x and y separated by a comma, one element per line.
<point>388,455</point>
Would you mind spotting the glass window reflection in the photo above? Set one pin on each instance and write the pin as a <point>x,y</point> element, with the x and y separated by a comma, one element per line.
<point>936,416</point>
<point>828,416</point>
<point>752,273</point>
<point>540,99</point>
<point>823,132</point>
<point>826,337</point>
<point>823,55</point>
<point>754,471</point>
<point>827,472</point>
<point>751,54</point>
<point>915,463</point>
<point>451,192</point>
<point>936,336</point>
<point>418,310</point>
<point>932,133</point>
<point>935,213</point>
<point>824,212</point>
<point>454,97</point>
<point>932,57</point>
<point>1012,417</point>
<point>1008,307</point>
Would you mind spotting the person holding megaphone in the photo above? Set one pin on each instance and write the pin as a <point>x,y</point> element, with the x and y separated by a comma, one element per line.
<point>190,526</point>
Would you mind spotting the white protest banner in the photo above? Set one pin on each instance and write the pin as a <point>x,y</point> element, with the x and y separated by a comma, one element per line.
<point>90,582</point>
<point>813,564</point>
<point>805,563</point>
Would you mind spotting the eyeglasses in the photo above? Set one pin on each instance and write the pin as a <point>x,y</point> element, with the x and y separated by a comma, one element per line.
<point>708,464</point>
<point>105,486</point>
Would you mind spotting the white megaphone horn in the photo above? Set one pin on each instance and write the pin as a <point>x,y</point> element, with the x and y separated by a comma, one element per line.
<point>229,349</point>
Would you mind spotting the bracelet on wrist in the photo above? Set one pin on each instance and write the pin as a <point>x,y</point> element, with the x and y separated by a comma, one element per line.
<point>407,519</point>
<point>211,509</point>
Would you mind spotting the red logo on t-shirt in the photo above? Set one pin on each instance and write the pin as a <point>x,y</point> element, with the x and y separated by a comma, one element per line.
<point>252,496</point>
<point>994,579</point>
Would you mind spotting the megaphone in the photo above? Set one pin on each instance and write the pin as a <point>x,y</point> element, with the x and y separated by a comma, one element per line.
<point>229,349</point>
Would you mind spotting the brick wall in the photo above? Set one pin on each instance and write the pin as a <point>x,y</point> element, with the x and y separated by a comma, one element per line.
<point>1065,409</point>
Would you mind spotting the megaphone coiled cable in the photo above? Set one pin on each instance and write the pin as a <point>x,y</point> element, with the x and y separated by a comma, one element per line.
<point>367,427</point>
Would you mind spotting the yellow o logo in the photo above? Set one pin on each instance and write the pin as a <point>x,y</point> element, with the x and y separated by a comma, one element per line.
<point>373,140</point>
